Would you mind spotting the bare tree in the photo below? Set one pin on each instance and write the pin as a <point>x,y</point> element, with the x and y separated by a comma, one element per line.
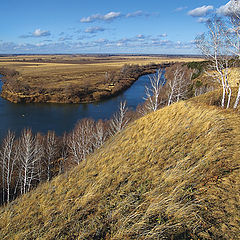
<point>100,134</point>
<point>233,35</point>
<point>153,92</point>
<point>233,27</point>
<point>64,152</point>
<point>29,155</point>
<point>119,120</point>
<point>178,82</point>
<point>8,163</point>
<point>81,140</point>
<point>51,151</point>
<point>213,45</point>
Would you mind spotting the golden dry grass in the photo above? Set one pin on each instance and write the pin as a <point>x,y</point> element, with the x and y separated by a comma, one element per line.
<point>173,174</point>
<point>234,77</point>
<point>57,71</point>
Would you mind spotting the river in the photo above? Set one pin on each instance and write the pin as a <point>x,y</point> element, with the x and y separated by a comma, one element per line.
<point>41,117</point>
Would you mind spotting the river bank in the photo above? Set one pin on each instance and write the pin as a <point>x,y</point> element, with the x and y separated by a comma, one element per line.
<point>41,117</point>
<point>17,91</point>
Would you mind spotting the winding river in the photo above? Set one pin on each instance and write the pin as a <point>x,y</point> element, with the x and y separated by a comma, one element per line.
<point>41,117</point>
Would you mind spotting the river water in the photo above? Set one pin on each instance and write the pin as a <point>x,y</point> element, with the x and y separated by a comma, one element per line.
<point>41,117</point>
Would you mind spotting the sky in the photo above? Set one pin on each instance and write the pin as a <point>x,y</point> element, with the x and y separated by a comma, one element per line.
<point>104,26</point>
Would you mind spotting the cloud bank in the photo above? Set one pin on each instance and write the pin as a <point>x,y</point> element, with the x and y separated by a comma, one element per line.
<point>112,16</point>
<point>94,30</point>
<point>98,17</point>
<point>200,11</point>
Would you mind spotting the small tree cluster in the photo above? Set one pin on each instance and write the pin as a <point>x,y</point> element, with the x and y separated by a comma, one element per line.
<point>87,136</point>
<point>33,158</point>
<point>165,90</point>
<point>220,45</point>
<point>179,80</point>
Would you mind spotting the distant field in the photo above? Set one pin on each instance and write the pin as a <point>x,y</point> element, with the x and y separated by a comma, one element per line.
<point>61,70</point>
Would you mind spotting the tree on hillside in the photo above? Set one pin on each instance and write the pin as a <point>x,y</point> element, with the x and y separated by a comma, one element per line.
<point>63,152</point>
<point>80,141</point>
<point>153,92</point>
<point>30,152</point>
<point>178,82</point>
<point>8,159</point>
<point>153,98</point>
<point>233,35</point>
<point>119,120</point>
<point>233,27</point>
<point>213,46</point>
<point>221,44</point>
<point>100,134</point>
<point>50,153</point>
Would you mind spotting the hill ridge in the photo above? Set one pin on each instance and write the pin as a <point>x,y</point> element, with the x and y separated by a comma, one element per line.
<point>173,174</point>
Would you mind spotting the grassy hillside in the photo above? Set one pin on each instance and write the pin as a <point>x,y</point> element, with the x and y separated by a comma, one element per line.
<point>173,174</point>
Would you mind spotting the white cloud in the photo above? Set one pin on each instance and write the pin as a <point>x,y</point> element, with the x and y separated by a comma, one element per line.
<point>200,11</point>
<point>37,33</point>
<point>90,18</point>
<point>140,42</point>
<point>40,33</point>
<point>112,15</point>
<point>136,14</point>
<point>94,30</point>
<point>231,8</point>
<point>96,17</point>
<point>179,9</point>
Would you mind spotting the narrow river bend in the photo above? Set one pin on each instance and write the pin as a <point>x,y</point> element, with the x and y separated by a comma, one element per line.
<point>41,117</point>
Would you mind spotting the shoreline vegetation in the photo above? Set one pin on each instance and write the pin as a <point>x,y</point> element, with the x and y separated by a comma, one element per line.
<point>16,92</point>
<point>74,79</point>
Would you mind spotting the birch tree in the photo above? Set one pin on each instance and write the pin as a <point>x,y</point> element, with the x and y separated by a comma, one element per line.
<point>213,46</point>
<point>153,92</point>
<point>81,139</point>
<point>51,151</point>
<point>233,35</point>
<point>119,120</point>
<point>8,164</point>
<point>64,152</point>
<point>179,78</point>
<point>100,134</point>
<point>29,154</point>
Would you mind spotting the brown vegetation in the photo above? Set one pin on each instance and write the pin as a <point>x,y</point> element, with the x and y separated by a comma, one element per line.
<point>173,174</point>
<point>73,78</point>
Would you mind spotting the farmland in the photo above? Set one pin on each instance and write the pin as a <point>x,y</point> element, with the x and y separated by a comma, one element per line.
<point>74,78</point>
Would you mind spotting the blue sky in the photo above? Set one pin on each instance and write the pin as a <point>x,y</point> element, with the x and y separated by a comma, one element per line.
<point>103,26</point>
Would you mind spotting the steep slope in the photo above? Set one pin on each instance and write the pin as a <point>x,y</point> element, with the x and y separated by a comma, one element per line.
<point>174,174</point>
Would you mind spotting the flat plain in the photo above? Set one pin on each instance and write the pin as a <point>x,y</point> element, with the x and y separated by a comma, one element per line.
<point>53,71</point>
<point>75,78</point>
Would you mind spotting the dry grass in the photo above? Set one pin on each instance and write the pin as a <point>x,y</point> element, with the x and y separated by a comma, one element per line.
<point>234,77</point>
<point>173,174</point>
<point>59,71</point>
